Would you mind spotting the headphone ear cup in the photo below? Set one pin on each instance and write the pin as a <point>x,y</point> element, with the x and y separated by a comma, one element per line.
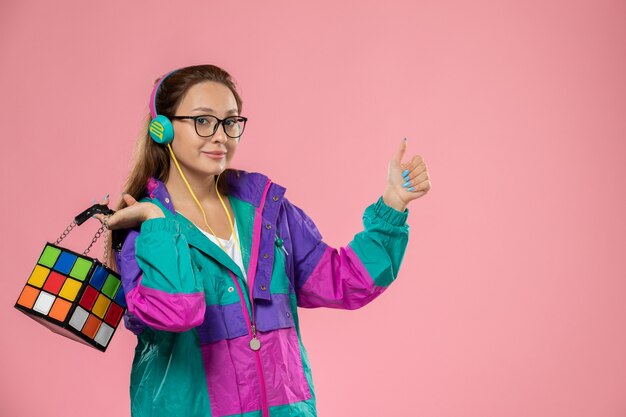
<point>161,130</point>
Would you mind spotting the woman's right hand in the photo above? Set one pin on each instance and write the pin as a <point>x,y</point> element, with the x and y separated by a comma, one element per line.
<point>131,216</point>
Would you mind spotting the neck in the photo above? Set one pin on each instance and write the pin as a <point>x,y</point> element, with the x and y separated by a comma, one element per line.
<point>203,187</point>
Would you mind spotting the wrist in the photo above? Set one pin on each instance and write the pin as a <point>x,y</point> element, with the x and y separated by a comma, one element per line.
<point>152,212</point>
<point>392,200</point>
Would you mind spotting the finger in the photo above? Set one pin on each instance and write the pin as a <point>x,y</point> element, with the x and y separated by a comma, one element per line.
<point>414,167</point>
<point>421,167</point>
<point>414,172</point>
<point>400,152</point>
<point>105,200</point>
<point>101,218</point>
<point>415,181</point>
<point>129,199</point>
<point>423,186</point>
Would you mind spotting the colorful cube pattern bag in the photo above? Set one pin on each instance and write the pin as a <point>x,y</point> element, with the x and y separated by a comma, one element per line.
<point>73,294</point>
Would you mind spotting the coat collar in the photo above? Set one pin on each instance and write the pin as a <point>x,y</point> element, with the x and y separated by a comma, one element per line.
<point>246,186</point>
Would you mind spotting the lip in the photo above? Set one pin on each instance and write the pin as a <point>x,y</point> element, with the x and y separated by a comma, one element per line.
<point>215,154</point>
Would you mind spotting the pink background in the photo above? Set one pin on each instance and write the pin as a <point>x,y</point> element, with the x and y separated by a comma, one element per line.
<point>511,299</point>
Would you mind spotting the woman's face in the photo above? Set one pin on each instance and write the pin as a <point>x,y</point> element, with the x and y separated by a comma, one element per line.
<point>192,151</point>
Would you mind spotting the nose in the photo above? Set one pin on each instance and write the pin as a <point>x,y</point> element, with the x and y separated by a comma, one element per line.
<point>220,134</point>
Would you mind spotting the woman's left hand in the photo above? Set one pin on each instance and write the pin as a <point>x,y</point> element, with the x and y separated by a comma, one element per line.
<point>405,181</point>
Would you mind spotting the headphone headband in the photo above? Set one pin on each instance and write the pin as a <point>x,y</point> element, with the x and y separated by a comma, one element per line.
<point>155,90</point>
<point>160,128</point>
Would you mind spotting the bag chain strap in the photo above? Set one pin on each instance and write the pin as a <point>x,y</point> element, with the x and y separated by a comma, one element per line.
<point>66,232</point>
<point>105,257</point>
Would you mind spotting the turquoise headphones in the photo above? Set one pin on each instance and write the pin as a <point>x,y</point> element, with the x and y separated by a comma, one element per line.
<point>160,128</point>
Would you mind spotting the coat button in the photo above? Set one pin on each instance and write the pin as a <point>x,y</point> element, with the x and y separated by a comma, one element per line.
<point>263,287</point>
<point>265,255</point>
<point>268,226</point>
<point>279,241</point>
<point>167,200</point>
<point>288,314</point>
<point>275,198</point>
<point>231,289</point>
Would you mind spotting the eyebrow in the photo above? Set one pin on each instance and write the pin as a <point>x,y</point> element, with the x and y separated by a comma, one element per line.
<point>207,109</point>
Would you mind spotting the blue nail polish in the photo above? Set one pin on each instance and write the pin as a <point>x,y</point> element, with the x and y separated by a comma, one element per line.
<point>406,177</point>
<point>406,184</point>
<point>405,173</point>
<point>411,189</point>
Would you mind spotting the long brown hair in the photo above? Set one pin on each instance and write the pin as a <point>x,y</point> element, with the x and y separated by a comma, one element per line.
<point>152,159</point>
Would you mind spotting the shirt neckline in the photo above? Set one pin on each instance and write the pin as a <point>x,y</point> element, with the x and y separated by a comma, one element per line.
<point>209,235</point>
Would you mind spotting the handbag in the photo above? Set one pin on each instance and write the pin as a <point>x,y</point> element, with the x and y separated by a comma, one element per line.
<point>73,294</point>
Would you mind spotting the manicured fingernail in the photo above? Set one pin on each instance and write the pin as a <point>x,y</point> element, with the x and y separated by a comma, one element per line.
<point>404,139</point>
<point>411,189</point>
<point>405,172</point>
<point>105,197</point>
<point>406,184</point>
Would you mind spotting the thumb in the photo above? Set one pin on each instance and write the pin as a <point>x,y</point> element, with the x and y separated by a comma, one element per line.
<point>129,199</point>
<point>400,152</point>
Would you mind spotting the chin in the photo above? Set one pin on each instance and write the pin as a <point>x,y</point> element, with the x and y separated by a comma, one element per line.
<point>204,170</point>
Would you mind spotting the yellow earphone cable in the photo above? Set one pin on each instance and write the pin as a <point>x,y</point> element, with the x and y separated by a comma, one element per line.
<point>200,205</point>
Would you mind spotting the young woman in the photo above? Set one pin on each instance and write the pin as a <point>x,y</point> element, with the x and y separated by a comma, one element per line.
<point>215,261</point>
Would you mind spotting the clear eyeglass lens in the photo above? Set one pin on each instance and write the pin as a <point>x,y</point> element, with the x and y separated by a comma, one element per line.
<point>205,125</point>
<point>233,126</point>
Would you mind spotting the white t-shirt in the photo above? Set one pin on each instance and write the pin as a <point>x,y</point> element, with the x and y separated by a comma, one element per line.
<point>231,249</point>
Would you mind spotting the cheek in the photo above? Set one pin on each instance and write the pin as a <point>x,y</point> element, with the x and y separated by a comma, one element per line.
<point>232,150</point>
<point>178,147</point>
<point>184,136</point>
<point>183,145</point>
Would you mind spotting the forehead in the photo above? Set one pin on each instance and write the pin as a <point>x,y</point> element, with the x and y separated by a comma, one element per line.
<point>208,94</point>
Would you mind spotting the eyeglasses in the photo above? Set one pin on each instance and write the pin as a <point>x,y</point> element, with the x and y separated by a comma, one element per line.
<point>206,125</point>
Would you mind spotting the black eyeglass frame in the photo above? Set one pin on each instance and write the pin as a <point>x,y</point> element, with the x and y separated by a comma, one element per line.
<point>217,126</point>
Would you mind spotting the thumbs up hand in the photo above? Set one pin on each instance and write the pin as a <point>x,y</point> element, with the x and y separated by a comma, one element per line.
<point>405,181</point>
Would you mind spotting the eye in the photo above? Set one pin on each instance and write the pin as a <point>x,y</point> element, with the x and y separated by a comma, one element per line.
<point>229,122</point>
<point>202,120</point>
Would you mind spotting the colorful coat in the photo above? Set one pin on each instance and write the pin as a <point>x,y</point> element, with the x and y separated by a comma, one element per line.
<point>188,302</point>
